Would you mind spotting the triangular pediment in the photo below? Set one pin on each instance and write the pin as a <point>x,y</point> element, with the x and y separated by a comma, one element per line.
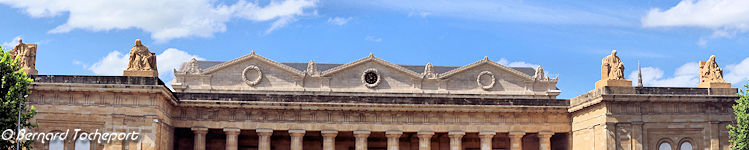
<point>370,58</point>
<point>485,61</point>
<point>252,56</point>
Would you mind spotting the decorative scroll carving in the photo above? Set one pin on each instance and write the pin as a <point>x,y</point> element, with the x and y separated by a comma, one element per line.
<point>429,72</point>
<point>612,67</point>
<point>252,75</point>
<point>26,54</point>
<point>371,78</point>
<point>710,72</point>
<point>312,69</point>
<point>141,59</point>
<point>489,76</point>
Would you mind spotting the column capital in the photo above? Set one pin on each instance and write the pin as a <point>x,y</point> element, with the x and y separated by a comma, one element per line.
<point>545,134</point>
<point>456,134</point>
<point>329,133</point>
<point>362,133</point>
<point>430,133</point>
<point>232,130</point>
<point>199,130</point>
<point>393,133</point>
<point>297,132</point>
<point>516,134</point>
<point>264,131</point>
<point>492,133</point>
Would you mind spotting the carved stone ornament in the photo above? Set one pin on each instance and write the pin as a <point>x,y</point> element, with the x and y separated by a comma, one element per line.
<point>312,69</point>
<point>192,67</point>
<point>429,72</point>
<point>371,78</point>
<point>141,58</point>
<point>540,74</point>
<point>711,75</point>
<point>488,75</point>
<point>26,55</point>
<point>252,75</point>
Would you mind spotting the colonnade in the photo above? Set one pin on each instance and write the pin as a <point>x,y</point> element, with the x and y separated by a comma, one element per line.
<point>264,142</point>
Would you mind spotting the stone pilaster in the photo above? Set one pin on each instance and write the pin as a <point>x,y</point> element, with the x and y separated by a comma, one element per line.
<point>231,138</point>
<point>328,137</point>
<point>361,139</point>
<point>516,140</point>
<point>199,143</point>
<point>263,141</point>
<point>714,134</point>
<point>456,140</point>
<point>544,140</point>
<point>486,139</point>
<point>425,140</point>
<point>393,139</point>
<point>637,136</point>
<point>296,138</point>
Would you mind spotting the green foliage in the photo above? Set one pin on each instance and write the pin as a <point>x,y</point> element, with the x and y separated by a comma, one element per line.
<point>14,88</point>
<point>740,132</point>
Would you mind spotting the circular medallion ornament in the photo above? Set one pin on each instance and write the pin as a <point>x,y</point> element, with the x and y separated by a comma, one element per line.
<point>486,80</point>
<point>370,78</point>
<point>252,75</point>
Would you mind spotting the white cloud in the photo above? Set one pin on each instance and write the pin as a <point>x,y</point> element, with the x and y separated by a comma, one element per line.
<point>164,19</point>
<point>725,17</point>
<point>115,62</point>
<point>373,39</point>
<point>506,62</point>
<point>339,20</point>
<point>12,43</point>
<point>686,75</point>
<point>421,14</point>
<point>738,74</point>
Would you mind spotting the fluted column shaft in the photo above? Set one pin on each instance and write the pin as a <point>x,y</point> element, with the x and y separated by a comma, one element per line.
<point>486,139</point>
<point>263,141</point>
<point>361,139</point>
<point>328,137</point>
<point>296,138</point>
<point>544,140</point>
<point>456,140</point>
<point>425,140</point>
<point>393,139</point>
<point>231,138</point>
<point>516,140</point>
<point>199,143</point>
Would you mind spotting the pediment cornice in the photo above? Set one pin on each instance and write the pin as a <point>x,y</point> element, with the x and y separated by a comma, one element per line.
<point>482,62</point>
<point>370,58</point>
<point>250,56</point>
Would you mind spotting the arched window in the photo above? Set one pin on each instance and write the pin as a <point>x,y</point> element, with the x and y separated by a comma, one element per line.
<point>56,143</point>
<point>664,146</point>
<point>686,146</point>
<point>82,144</point>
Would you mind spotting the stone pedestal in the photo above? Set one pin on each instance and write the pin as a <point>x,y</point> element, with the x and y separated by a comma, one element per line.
<point>199,143</point>
<point>714,85</point>
<point>602,83</point>
<point>328,139</point>
<point>456,140</point>
<point>141,73</point>
<point>263,141</point>
<point>393,139</point>
<point>231,138</point>
<point>361,139</point>
<point>30,71</point>
<point>425,140</point>
<point>486,139</point>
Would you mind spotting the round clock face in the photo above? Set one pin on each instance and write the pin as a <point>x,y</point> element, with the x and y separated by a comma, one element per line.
<point>370,78</point>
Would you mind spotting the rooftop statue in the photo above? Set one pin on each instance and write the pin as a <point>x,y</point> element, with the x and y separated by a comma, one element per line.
<point>612,67</point>
<point>141,58</point>
<point>142,62</point>
<point>540,74</point>
<point>26,54</point>
<point>711,75</point>
<point>312,69</point>
<point>429,71</point>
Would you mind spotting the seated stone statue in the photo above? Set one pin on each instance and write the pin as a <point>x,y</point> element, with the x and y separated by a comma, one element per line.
<point>141,58</point>
<point>710,72</point>
<point>612,67</point>
<point>26,54</point>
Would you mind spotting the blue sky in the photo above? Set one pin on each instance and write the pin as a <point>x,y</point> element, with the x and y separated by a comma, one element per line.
<point>568,38</point>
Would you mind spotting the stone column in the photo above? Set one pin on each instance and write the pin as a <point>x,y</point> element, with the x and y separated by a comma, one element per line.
<point>199,137</point>
<point>425,140</point>
<point>231,138</point>
<point>263,140</point>
<point>361,139</point>
<point>486,139</point>
<point>296,138</point>
<point>456,140</point>
<point>328,139</point>
<point>544,140</point>
<point>393,139</point>
<point>516,140</point>
<point>714,135</point>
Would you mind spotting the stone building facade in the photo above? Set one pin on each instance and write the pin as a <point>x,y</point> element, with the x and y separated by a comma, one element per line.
<point>254,103</point>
